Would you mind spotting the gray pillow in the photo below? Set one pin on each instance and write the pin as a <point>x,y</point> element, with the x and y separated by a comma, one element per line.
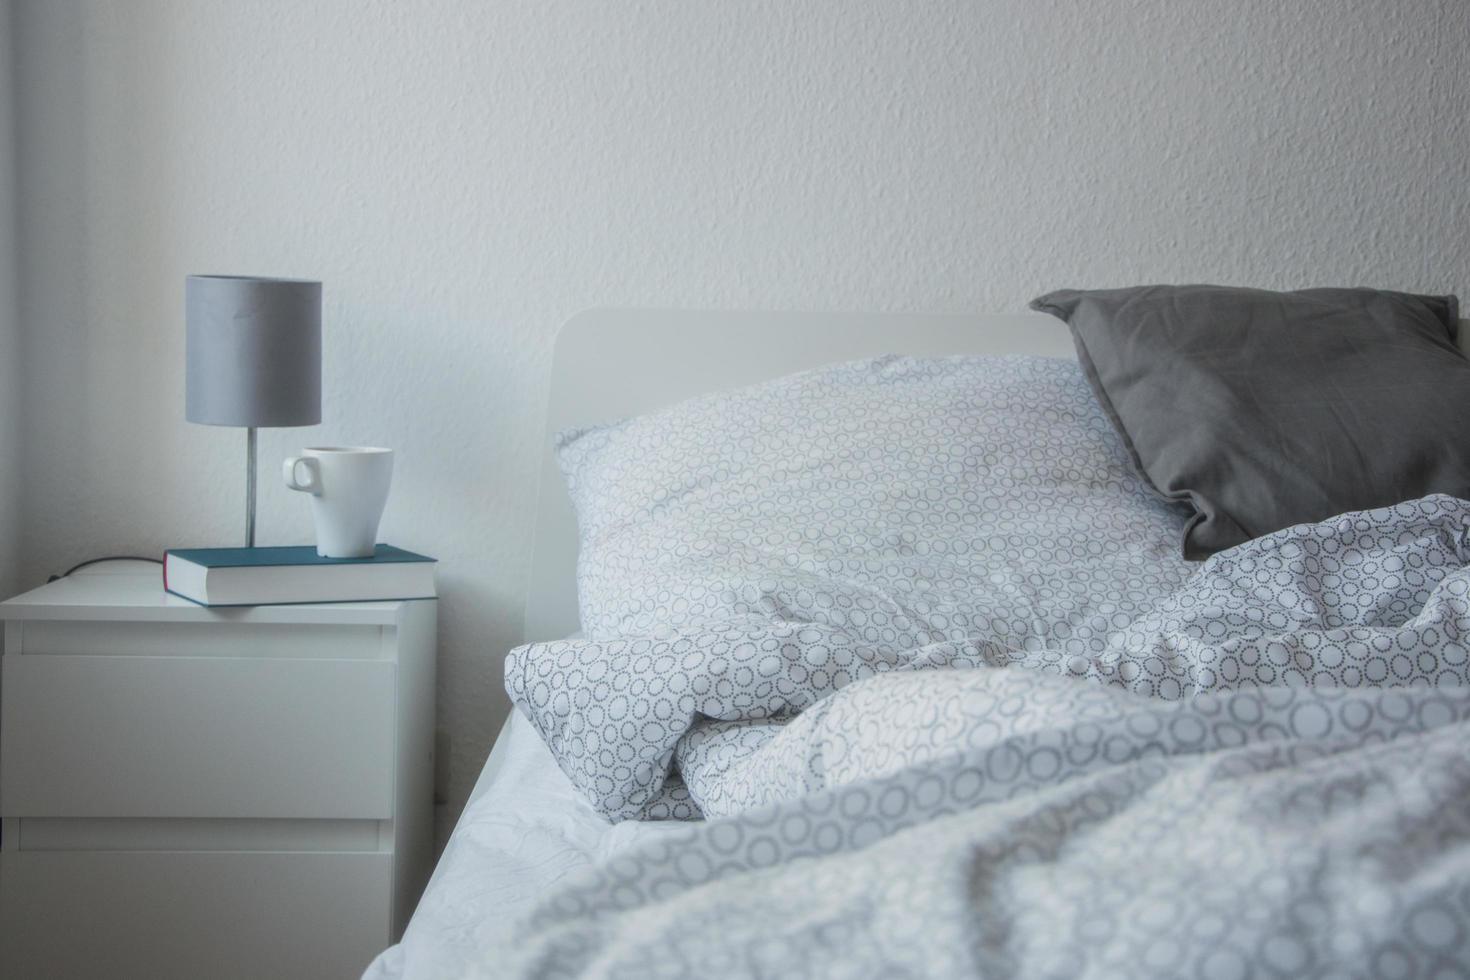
<point>1262,410</point>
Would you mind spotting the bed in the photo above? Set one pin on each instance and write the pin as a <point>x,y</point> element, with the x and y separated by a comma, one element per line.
<point>525,827</point>
<point>807,774</point>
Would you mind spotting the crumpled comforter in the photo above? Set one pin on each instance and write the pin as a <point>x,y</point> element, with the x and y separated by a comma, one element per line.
<point>1267,772</point>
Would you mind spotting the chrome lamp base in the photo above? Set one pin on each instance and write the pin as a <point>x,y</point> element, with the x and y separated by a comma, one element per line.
<point>250,487</point>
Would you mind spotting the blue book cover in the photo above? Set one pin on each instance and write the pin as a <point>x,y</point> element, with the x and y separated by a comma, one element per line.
<point>269,576</point>
<point>305,554</point>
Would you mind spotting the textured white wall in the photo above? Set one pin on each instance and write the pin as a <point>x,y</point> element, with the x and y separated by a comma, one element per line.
<point>465,176</point>
<point>10,339</point>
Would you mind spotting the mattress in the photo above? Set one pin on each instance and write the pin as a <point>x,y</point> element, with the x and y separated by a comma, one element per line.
<point>524,829</point>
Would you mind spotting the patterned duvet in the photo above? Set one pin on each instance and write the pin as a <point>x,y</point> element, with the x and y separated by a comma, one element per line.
<point>914,639</point>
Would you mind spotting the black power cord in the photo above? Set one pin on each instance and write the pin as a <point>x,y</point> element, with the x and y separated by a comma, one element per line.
<point>98,561</point>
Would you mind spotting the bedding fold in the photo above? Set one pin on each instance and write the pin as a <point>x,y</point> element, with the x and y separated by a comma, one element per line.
<point>1369,598</point>
<point>1263,774</point>
<point>1271,831</point>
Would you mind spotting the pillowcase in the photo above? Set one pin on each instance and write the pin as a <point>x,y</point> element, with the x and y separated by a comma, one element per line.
<point>1262,409</point>
<point>901,501</point>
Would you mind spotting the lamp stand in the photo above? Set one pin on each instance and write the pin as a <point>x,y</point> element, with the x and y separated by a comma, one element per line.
<point>250,487</point>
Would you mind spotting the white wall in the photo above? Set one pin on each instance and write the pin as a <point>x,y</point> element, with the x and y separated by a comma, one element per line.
<point>10,338</point>
<point>465,176</point>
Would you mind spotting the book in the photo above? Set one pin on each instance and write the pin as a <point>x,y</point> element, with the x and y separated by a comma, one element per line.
<point>274,576</point>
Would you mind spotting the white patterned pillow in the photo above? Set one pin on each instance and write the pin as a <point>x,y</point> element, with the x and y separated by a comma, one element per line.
<point>901,500</point>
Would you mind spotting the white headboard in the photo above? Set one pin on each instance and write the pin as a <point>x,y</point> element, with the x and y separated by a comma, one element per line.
<point>612,364</point>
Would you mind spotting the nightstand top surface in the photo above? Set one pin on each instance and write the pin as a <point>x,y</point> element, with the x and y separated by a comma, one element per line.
<point>133,591</point>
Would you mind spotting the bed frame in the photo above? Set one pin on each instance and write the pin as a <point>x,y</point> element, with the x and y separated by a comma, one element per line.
<point>612,364</point>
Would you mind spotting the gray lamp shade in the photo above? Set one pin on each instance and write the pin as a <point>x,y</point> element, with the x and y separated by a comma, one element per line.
<point>253,351</point>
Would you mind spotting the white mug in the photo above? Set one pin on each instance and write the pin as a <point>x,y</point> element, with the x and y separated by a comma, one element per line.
<point>348,487</point>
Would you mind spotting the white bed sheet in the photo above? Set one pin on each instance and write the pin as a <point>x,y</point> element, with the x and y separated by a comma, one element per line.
<point>524,829</point>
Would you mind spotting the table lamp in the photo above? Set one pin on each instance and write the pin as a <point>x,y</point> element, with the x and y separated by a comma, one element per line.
<point>253,357</point>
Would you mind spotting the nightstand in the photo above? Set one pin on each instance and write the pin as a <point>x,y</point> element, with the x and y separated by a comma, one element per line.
<point>192,792</point>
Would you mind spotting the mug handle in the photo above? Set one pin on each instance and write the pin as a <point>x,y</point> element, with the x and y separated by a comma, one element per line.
<point>291,471</point>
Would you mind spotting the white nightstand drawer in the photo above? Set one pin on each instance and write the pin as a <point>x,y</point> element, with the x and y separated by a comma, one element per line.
<point>121,736</point>
<point>218,915</point>
<point>212,639</point>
